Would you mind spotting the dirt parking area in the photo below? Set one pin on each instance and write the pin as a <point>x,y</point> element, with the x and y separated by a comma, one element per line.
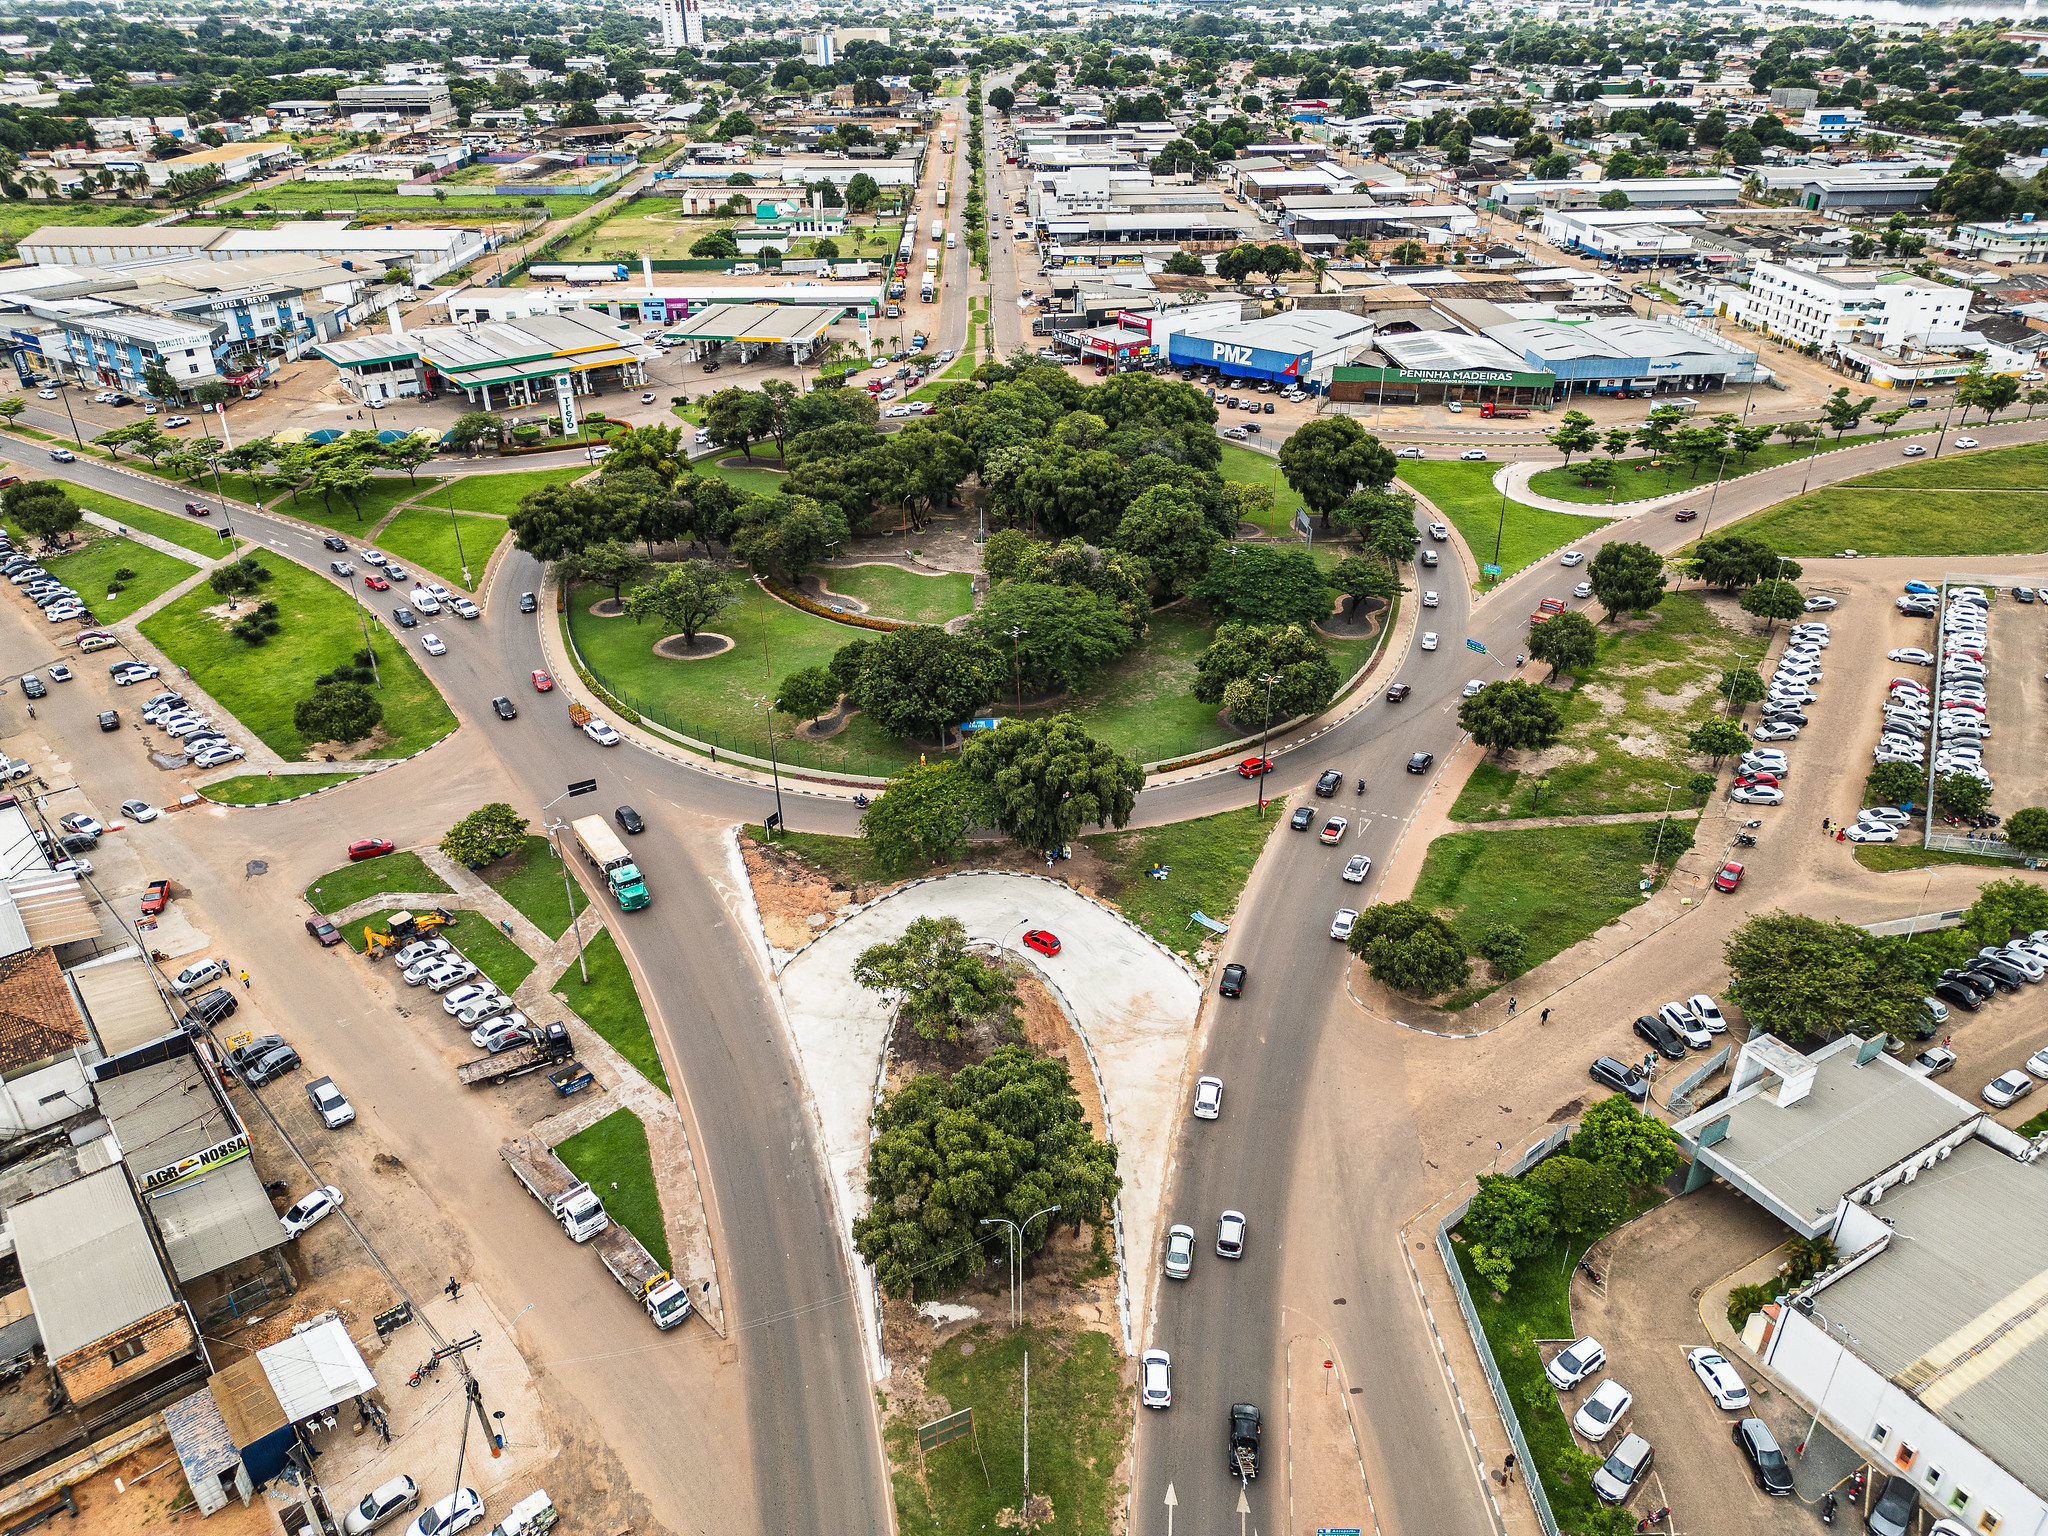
<point>1647,1315</point>
<point>2016,702</point>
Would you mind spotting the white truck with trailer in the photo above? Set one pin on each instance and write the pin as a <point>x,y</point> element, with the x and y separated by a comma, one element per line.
<point>569,1200</point>
<point>657,1291</point>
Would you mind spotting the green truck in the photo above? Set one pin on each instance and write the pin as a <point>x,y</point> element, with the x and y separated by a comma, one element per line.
<point>602,847</point>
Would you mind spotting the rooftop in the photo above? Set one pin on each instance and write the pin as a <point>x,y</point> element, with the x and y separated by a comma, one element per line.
<point>86,1257</point>
<point>38,1019</point>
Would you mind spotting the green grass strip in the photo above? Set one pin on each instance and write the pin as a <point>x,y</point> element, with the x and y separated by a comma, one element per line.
<point>612,1157</point>
<point>531,879</point>
<point>263,789</point>
<point>1465,494</point>
<point>610,1005</point>
<point>500,494</point>
<point>202,538</point>
<point>1209,860</point>
<point>400,871</point>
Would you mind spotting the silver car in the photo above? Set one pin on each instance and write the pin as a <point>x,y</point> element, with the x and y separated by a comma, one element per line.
<point>2007,1088</point>
<point>1180,1252</point>
<point>1342,924</point>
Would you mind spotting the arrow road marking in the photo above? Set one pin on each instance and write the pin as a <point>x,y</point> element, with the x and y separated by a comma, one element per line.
<point>1244,1509</point>
<point>1172,1503</point>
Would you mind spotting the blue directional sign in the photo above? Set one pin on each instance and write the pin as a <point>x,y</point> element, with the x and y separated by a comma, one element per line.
<point>1489,570</point>
<point>1476,645</point>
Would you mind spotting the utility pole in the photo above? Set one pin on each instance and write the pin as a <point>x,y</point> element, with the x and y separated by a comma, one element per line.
<point>555,829</point>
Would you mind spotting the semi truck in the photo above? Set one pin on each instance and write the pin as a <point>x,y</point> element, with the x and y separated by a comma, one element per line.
<point>572,1203</point>
<point>658,1292</point>
<point>929,290</point>
<point>604,850</point>
<point>544,1048</point>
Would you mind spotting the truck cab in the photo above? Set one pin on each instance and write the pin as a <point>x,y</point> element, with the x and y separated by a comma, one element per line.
<point>1244,1441</point>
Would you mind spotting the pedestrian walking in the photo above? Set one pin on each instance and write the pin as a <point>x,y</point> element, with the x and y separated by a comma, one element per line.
<point>453,1288</point>
<point>1507,1470</point>
<point>245,981</point>
<point>1826,825</point>
<point>1511,1006</point>
<point>1545,1019</point>
<point>31,711</point>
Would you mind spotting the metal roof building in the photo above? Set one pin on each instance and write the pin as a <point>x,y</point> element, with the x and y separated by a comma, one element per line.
<point>493,363</point>
<point>86,1257</point>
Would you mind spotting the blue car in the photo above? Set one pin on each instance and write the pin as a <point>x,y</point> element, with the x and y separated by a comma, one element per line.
<point>1921,586</point>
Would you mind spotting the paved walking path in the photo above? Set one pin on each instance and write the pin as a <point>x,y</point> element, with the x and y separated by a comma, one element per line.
<point>151,541</point>
<point>1513,479</point>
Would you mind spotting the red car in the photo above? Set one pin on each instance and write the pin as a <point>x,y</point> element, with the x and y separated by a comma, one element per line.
<point>542,683</point>
<point>376,583</point>
<point>156,897</point>
<point>1685,516</point>
<point>1729,877</point>
<point>324,931</point>
<point>1398,692</point>
<point>1252,767</point>
<point>369,848</point>
<point>198,509</point>
<point>1045,943</point>
<point>1753,780</point>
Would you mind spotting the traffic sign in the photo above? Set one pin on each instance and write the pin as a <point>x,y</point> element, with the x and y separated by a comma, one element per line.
<point>583,787</point>
<point>954,1426</point>
<point>1489,570</point>
<point>1476,645</point>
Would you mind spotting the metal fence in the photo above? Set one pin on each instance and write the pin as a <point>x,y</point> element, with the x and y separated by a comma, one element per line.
<point>1533,1479</point>
<point>1679,1100</point>
<point>1991,844</point>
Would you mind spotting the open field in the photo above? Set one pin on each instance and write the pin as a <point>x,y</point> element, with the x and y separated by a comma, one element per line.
<point>499,494</point>
<point>1465,495</point>
<point>1209,860</point>
<point>91,572</point>
<point>261,685</point>
<point>1993,502</point>
<point>891,592</point>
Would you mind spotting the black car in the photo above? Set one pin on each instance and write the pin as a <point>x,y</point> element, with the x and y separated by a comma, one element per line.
<point>1916,403</point>
<point>1301,818</point>
<point>2001,969</point>
<point>262,1045</point>
<point>1621,1077</point>
<point>273,1063</point>
<point>1788,716</point>
<point>407,619</point>
<point>1420,762</point>
<point>1668,1041</point>
<point>1956,995</point>
<point>628,819</point>
<point>712,366</point>
<point>1329,783</point>
<point>1981,974</point>
<point>506,709</point>
<point>1760,1449</point>
<point>109,720</point>
<point>1979,986</point>
<point>528,603</point>
<point>335,543</point>
<point>214,1007</point>
<point>1232,984</point>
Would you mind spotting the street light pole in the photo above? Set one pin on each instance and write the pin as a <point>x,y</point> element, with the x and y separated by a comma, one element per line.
<point>1265,737</point>
<point>568,891</point>
<point>455,523</point>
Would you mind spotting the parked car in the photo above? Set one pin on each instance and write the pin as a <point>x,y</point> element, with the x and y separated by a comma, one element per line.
<point>1718,1377</point>
<point>1572,1365</point>
<point>1892,1514</point>
<point>2007,1088</point>
<point>1767,1463</point>
<point>1599,1413</point>
<point>380,1506</point>
<point>1621,1077</point>
<point>461,1509</point>
<point>324,931</point>
<point>310,1208</point>
<point>1622,1473</point>
<point>1668,1041</point>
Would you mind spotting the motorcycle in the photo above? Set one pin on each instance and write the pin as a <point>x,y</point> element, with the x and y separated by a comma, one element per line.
<point>1856,1485</point>
<point>1827,1508</point>
<point>431,1365</point>
<point>1745,839</point>
<point>1361,786</point>
<point>861,801</point>
<point>1655,1517</point>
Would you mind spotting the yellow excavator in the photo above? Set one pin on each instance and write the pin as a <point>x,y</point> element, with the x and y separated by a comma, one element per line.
<point>405,927</point>
<point>376,945</point>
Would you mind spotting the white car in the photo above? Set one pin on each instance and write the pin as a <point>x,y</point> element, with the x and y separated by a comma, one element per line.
<point>1342,924</point>
<point>602,734</point>
<point>1598,1415</point>
<point>452,974</point>
<point>1208,1098</point>
<point>1156,1372</point>
<point>2007,1088</point>
<point>310,1208</point>
<point>215,757</point>
<point>1429,639</point>
<point>1884,815</point>
<point>1819,604</point>
<point>1573,1365</point>
<point>433,644</point>
<point>468,994</point>
<point>2038,1063</point>
<point>1913,451</point>
<point>372,557</point>
<point>1913,655</point>
<point>1408,453</point>
<point>1866,834</point>
<point>177,421</point>
<point>1472,686</point>
<point>139,810</point>
<point>494,1006</point>
<point>1429,599</point>
<point>446,969</point>
<point>424,601</point>
<point>1707,1012</point>
<point>457,1511</point>
<point>46,394</point>
<point>1583,589</point>
<point>197,975</point>
<point>422,949</point>
<point>1680,1018</point>
<point>1760,794</point>
<point>1719,1378</point>
<point>1966,442</point>
<point>465,609</point>
<point>1357,868</point>
<point>1471,455</point>
<point>1571,557</point>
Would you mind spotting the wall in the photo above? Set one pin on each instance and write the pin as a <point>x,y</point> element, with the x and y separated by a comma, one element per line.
<point>165,1335</point>
<point>62,1083</point>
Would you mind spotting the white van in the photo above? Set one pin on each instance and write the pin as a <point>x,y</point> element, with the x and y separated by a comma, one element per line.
<point>952,240</point>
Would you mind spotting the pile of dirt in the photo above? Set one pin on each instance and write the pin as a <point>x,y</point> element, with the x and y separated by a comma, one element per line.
<point>796,900</point>
<point>373,745</point>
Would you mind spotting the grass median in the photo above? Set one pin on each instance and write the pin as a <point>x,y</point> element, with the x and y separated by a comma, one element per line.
<point>612,1157</point>
<point>609,1004</point>
<point>354,518</point>
<point>202,538</point>
<point>263,789</point>
<point>1208,862</point>
<point>1644,478</point>
<point>91,572</point>
<point>1465,494</point>
<point>891,592</point>
<point>531,879</point>
<point>426,538</point>
<point>261,685</point>
<point>1556,884</point>
<point>1884,858</point>
<point>1080,1428</point>
<point>401,871</point>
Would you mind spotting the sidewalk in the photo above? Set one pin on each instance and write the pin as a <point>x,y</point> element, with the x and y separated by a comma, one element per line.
<point>151,541</point>
<point>1513,479</point>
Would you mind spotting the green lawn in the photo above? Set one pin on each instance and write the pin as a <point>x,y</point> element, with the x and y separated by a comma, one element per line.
<point>1886,857</point>
<point>891,592</point>
<point>25,218</point>
<point>1556,884</point>
<point>189,533</point>
<point>427,537</point>
<point>480,940</point>
<point>400,871</point>
<point>500,494</point>
<point>262,789</point>
<point>235,487</point>
<point>260,686</point>
<point>612,1158</point>
<point>612,1008</point>
<point>1537,1306</point>
<point>848,860</point>
<point>1989,503</point>
<point>1639,482</point>
<point>762,478</point>
<point>1251,468</point>
<point>382,203</point>
<point>92,569</point>
<point>1080,1427</point>
<point>1625,722</point>
<point>531,880</point>
<point>2035,1126</point>
<point>356,519</point>
<point>1209,860</point>
<point>1465,494</point>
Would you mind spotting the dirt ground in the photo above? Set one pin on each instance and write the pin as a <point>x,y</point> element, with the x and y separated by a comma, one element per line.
<point>145,1493</point>
<point>796,900</point>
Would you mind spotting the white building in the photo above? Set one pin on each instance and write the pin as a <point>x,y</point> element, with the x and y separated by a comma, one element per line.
<point>1886,310</point>
<point>2021,239</point>
<point>682,23</point>
<point>1627,232</point>
<point>1921,1345</point>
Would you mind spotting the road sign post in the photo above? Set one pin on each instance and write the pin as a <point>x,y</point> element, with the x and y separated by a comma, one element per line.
<point>1476,645</point>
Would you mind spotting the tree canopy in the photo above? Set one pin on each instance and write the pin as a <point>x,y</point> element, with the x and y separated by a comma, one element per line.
<point>1042,781</point>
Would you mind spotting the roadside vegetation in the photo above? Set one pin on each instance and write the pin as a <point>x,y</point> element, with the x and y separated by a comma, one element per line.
<point>266,789</point>
<point>1993,502</point>
<point>609,1004</point>
<point>1465,494</point>
<point>403,870</point>
<point>189,532</point>
<point>1208,862</point>
<point>531,879</point>
<point>612,1157</point>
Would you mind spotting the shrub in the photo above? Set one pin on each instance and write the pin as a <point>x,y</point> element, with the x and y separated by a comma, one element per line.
<point>1745,1299</point>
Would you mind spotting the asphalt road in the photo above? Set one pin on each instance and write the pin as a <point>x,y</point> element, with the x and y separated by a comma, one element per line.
<point>1311,1113</point>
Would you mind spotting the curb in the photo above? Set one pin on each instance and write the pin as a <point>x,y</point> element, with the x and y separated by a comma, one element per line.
<point>396,762</point>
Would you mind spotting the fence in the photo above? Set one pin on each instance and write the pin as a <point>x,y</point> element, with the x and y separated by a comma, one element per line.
<point>1532,1474</point>
<point>1986,844</point>
<point>1679,1100</point>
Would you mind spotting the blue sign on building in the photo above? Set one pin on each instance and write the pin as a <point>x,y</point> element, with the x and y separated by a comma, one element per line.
<point>1239,361</point>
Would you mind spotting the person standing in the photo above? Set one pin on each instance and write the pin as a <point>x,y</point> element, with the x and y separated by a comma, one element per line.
<point>1545,1017</point>
<point>245,981</point>
<point>453,1289</point>
<point>1826,825</point>
<point>1507,1469</point>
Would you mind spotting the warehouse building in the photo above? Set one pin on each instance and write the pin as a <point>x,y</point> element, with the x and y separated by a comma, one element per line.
<point>1409,365</point>
<point>1663,356</point>
<point>1625,234</point>
<point>1295,347</point>
<point>426,253</point>
<point>1645,192</point>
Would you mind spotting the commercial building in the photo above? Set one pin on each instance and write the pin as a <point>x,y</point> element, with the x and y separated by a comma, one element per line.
<point>425,253</point>
<point>1407,366</point>
<point>412,99</point>
<point>536,359</point>
<point>1624,235</point>
<point>235,162</point>
<point>1851,190</point>
<point>1336,218</point>
<point>1919,1346</point>
<point>2014,240</point>
<point>1642,192</point>
<point>1799,302</point>
<point>1147,330</point>
<point>1661,356</point>
<point>607,294</point>
<point>1295,347</point>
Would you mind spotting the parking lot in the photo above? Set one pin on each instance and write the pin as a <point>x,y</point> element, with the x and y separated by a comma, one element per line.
<point>1656,1271</point>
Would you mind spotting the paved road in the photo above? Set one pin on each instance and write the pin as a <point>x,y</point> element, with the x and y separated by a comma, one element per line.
<point>1312,1110</point>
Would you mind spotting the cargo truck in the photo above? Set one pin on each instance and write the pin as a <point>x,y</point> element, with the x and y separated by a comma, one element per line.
<point>572,1203</point>
<point>942,197</point>
<point>544,1048</point>
<point>604,850</point>
<point>929,290</point>
<point>945,144</point>
<point>1504,412</point>
<point>931,258</point>
<point>644,1280</point>
<point>938,228</point>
